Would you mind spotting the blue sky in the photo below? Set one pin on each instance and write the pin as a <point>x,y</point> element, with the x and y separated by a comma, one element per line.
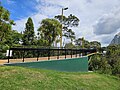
<point>99,19</point>
<point>20,8</point>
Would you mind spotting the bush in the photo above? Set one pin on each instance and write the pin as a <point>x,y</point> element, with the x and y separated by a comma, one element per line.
<point>99,63</point>
<point>3,49</point>
<point>109,63</point>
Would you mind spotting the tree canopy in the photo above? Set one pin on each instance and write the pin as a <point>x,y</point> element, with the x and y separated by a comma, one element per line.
<point>5,24</point>
<point>82,43</point>
<point>29,34</point>
<point>49,30</point>
<point>70,21</point>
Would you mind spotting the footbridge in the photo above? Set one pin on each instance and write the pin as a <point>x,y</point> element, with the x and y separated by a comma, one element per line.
<point>61,59</point>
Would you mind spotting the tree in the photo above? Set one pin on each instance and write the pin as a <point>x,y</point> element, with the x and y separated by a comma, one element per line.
<point>113,58</point>
<point>82,43</point>
<point>109,63</point>
<point>14,38</point>
<point>5,24</point>
<point>69,45</point>
<point>49,31</point>
<point>29,34</point>
<point>70,21</point>
<point>95,44</point>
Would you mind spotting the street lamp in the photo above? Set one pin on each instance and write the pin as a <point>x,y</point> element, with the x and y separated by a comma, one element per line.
<point>62,26</point>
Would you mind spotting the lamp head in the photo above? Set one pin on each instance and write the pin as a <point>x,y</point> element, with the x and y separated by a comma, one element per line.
<point>65,8</point>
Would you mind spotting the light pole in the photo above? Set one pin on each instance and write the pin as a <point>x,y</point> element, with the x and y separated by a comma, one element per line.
<point>62,26</point>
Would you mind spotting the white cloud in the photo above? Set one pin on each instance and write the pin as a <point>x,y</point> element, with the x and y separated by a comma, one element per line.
<point>88,11</point>
<point>108,24</point>
<point>20,24</point>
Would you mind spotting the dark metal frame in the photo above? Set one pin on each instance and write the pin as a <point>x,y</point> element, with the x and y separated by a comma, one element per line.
<point>48,50</point>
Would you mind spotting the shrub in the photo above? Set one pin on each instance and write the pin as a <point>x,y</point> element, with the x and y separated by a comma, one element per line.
<point>109,63</point>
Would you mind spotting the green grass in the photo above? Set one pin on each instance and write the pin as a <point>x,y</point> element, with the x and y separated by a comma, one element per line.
<point>19,78</point>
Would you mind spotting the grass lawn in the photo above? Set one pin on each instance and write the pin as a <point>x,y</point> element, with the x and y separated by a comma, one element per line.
<point>20,78</point>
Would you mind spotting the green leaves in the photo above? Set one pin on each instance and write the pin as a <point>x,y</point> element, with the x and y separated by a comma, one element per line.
<point>70,21</point>
<point>109,63</point>
<point>86,44</point>
<point>29,34</point>
<point>5,24</point>
<point>49,30</point>
<point>4,14</point>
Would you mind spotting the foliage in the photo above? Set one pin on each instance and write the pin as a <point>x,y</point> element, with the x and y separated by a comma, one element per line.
<point>70,21</point>
<point>69,34</point>
<point>5,24</point>
<point>21,78</point>
<point>82,43</point>
<point>99,63</point>
<point>6,32</point>
<point>49,30</point>
<point>3,49</point>
<point>108,63</point>
<point>113,58</point>
<point>14,38</point>
<point>29,34</point>
<point>95,44</point>
<point>69,45</point>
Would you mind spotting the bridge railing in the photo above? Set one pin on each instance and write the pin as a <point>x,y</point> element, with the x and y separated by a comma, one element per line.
<point>48,53</point>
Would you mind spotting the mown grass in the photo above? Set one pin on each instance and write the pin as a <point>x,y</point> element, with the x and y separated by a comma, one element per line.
<point>19,78</point>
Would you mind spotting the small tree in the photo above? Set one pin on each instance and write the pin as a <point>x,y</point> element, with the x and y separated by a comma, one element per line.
<point>49,31</point>
<point>29,34</point>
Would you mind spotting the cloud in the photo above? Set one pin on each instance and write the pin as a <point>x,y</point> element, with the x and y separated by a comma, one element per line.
<point>88,34</point>
<point>37,18</point>
<point>89,1</point>
<point>20,24</point>
<point>88,11</point>
<point>10,2</point>
<point>108,23</point>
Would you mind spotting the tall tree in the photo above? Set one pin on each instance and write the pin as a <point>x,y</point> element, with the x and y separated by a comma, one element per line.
<point>5,23</point>
<point>29,34</point>
<point>49,30</point>
<point>70,21</point>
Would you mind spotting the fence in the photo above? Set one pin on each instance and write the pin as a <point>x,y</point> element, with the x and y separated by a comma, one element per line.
<point>22,53</point>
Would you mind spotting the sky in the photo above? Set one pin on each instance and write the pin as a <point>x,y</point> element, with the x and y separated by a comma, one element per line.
<point>99,19</point>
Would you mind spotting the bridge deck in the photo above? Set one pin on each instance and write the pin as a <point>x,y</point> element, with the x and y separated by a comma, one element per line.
<point>35,59</point>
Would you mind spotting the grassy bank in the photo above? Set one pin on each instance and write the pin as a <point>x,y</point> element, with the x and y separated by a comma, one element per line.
<point>19,78</point>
